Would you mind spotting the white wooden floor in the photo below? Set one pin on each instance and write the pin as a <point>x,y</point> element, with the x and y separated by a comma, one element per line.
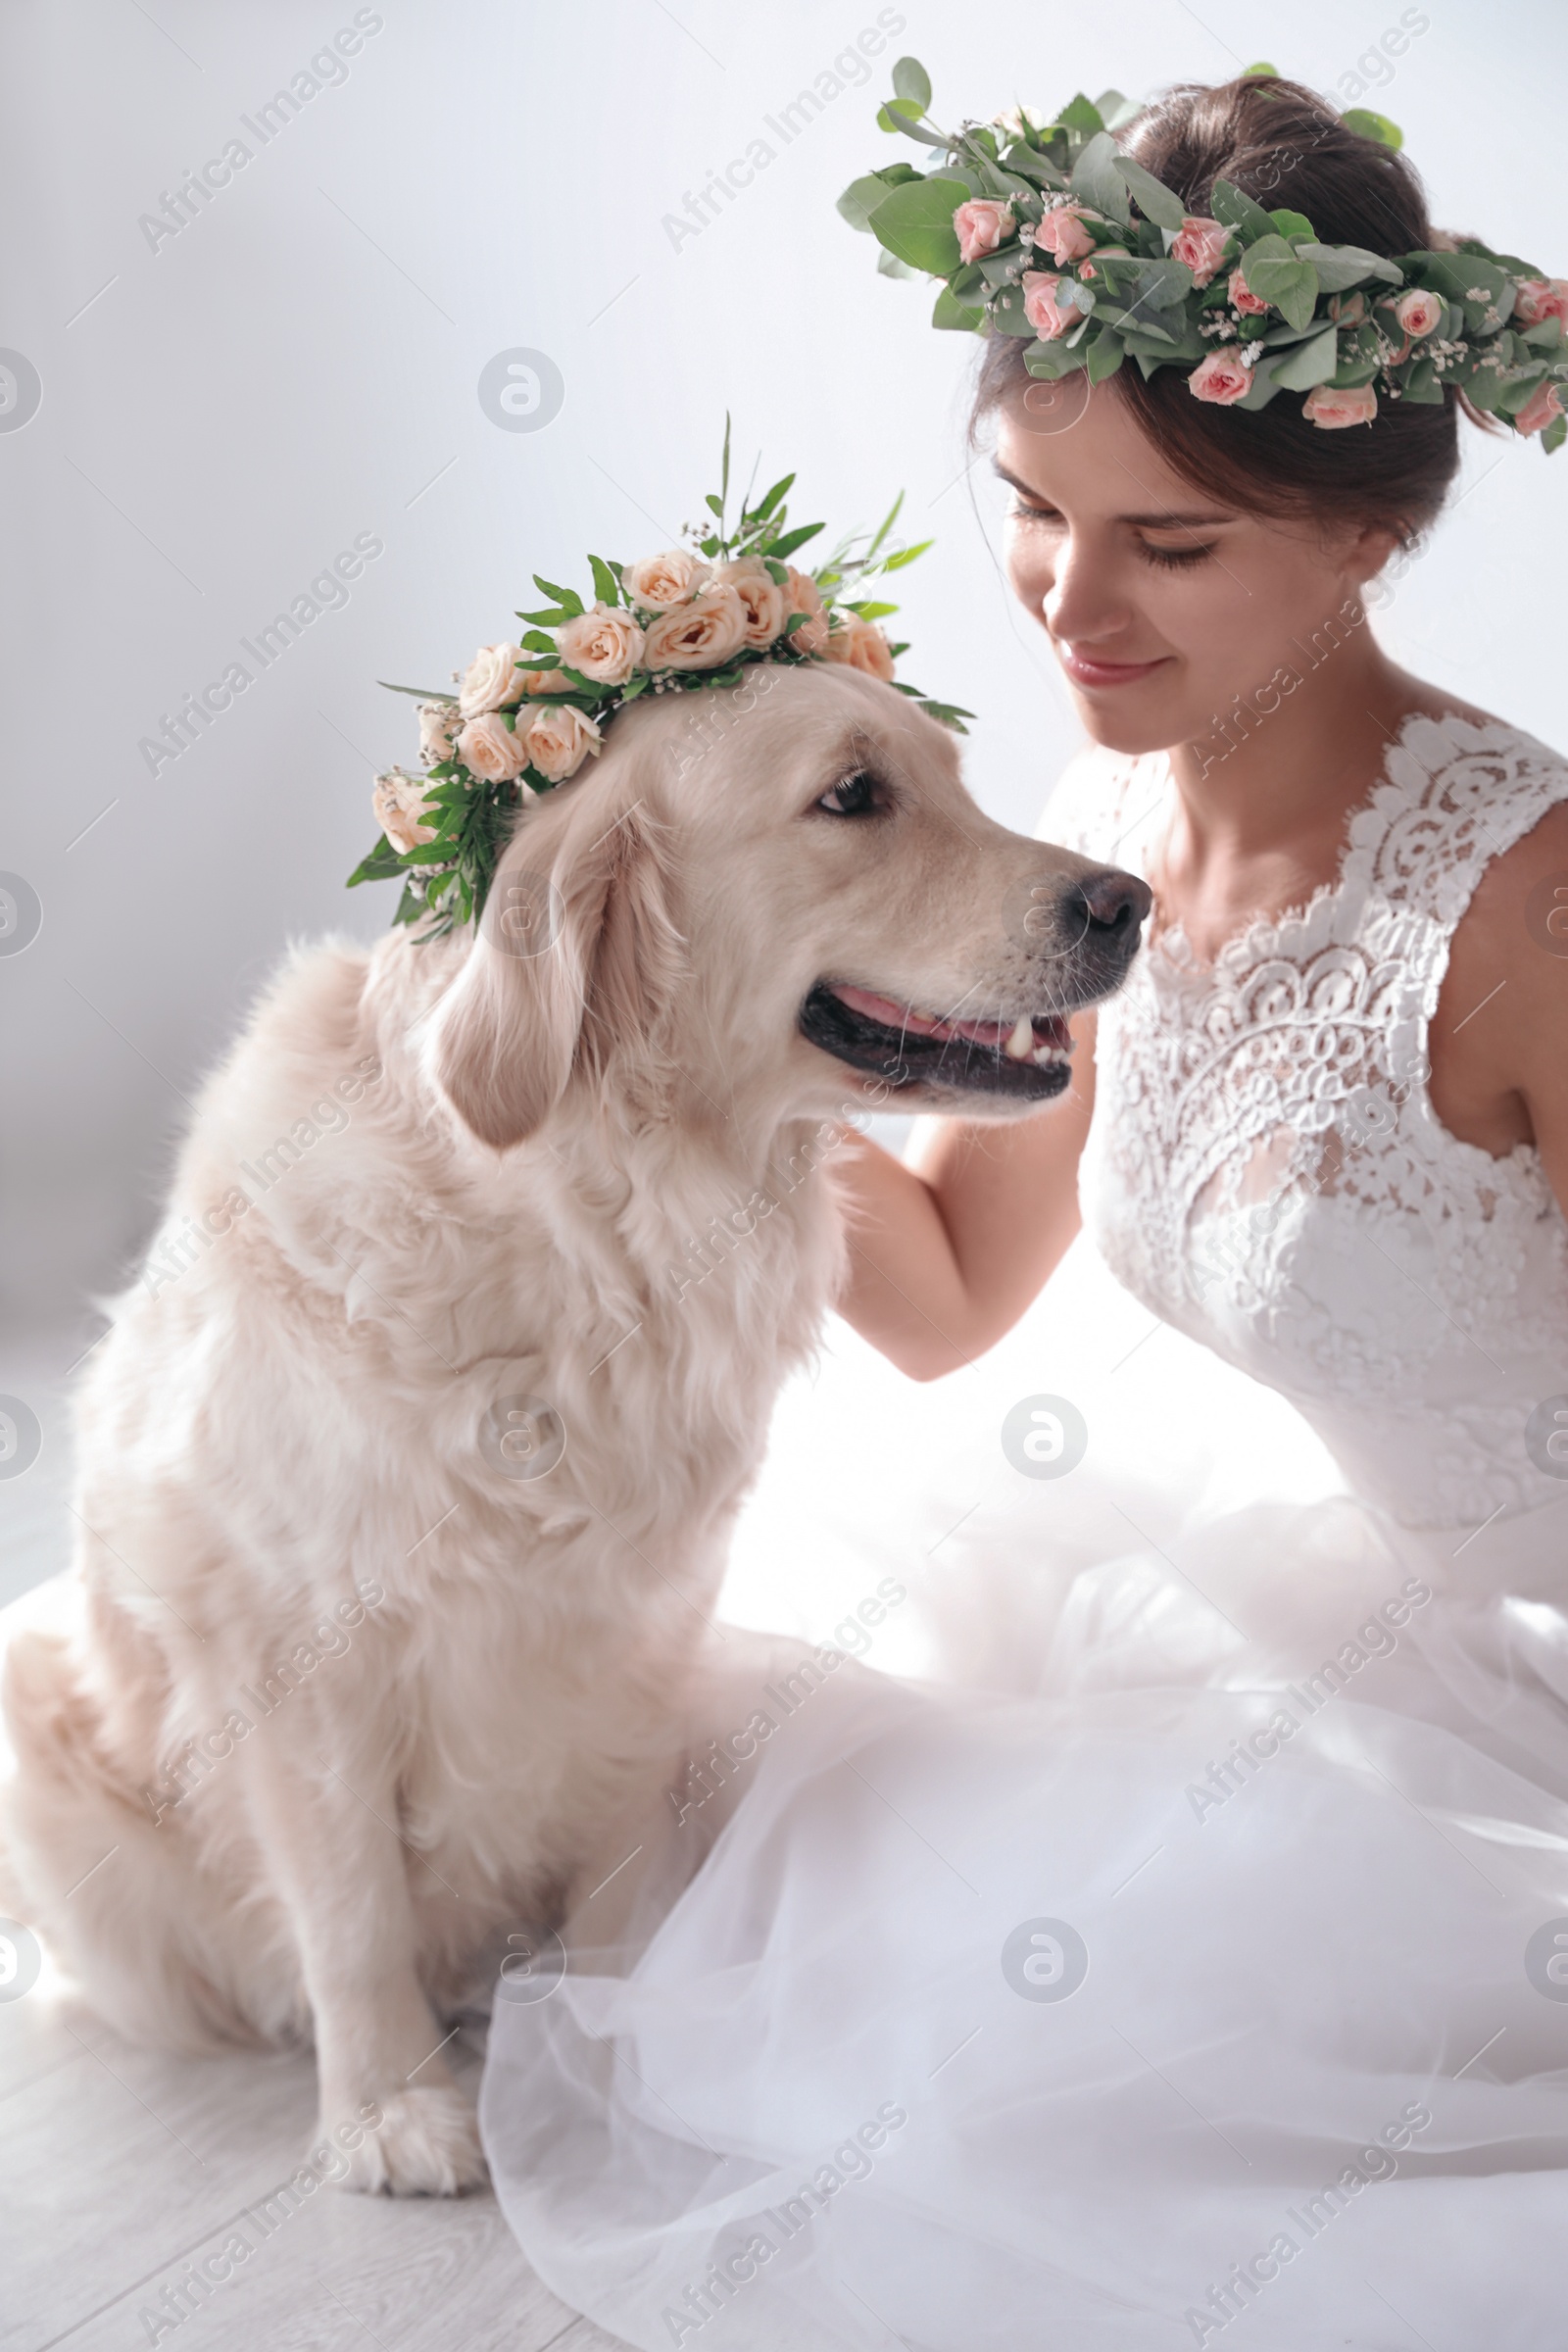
<point>119,2167</point>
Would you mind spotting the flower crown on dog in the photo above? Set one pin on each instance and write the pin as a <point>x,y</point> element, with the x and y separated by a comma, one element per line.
<point>1041,228</point>
<point>526,717</point>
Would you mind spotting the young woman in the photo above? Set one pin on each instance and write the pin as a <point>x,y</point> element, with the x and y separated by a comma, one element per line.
<point>1233,1969</point>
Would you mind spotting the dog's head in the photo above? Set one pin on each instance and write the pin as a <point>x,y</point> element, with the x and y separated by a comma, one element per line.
<point>777,899</point>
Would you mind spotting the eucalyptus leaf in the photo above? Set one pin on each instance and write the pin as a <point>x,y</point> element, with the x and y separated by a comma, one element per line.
<point>1153,199</point>
<point>1080,114</point>
<point>1106,355</point>
<point>890,266</point>
<point>911,82</point>
<point>1049,362</point>
<point>1115,111</point>
<point>914,222</point>
<point>949,311</point>
<point>1235,211</point>
<point>895,115</point>
<point>1097,182</point>
<point>1292,224</point>
<point>1339,266</point>
<point>860,199</point>
<point>1369,125</point>
<point>1556,434</point>
<point>1262,388</point>
<point>1310,362</point>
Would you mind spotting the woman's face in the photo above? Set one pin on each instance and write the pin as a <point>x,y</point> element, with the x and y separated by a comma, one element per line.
<point>1162,605</point>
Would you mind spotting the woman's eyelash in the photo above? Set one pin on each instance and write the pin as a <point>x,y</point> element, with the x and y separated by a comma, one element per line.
<point>1019,513</point>
<point>1175,559</point>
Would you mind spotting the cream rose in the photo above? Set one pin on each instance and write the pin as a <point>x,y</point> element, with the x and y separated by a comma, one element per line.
<point>437,728</point>
<point>1064,235</point>
<point>491,680</point>
<point>981,226</point>
<point>862,646</point>
<point>545,681</point>
<point>604,643</point>
<point>1357,404</point>
<point>805,596</point>
<point>1221,377</point>
<point>1200,243</point>
<point>559,740</point>
<point>761,598</point>
<point>703,634</point>
<point>658,583</point>
<point>1048,317</point>
<point>1544,403</point>
<point>1418,312</point>
<point>489,747</point>
<point>1538,297</point>
<point>399,802</point>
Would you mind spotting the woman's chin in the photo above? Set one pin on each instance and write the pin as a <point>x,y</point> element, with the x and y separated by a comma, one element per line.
<point>1134,720</point>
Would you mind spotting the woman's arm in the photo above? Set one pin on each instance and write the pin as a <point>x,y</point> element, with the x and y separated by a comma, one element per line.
<point>949,1248</point>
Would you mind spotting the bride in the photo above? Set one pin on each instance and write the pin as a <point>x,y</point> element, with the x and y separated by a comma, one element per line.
<point>1216,1979</point>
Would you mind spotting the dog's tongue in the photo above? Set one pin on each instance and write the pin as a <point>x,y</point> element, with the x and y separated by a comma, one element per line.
<point>920,1024</point>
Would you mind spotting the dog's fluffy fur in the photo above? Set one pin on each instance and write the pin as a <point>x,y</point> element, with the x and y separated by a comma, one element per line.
<point>339,1698</point>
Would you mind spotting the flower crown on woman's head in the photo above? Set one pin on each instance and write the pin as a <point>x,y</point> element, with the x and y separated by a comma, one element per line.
<point>525,716</point>
<point>1043,229</point>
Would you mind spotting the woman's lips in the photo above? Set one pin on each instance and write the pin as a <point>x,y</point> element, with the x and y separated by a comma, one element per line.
<point>1085,669</point>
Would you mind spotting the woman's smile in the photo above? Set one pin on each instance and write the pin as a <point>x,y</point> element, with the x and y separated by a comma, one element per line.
<point>1093,673</point>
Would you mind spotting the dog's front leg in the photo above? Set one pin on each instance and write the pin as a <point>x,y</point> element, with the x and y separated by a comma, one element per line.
<point>327,1830</point>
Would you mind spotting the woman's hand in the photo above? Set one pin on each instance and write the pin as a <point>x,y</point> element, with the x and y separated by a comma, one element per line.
<point>949,1248</point>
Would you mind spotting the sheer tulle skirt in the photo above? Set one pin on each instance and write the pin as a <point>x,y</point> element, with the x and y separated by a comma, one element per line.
<point>1166,1948</point>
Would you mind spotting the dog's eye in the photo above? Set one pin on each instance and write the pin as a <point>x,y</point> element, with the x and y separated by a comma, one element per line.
<point>851,796</point>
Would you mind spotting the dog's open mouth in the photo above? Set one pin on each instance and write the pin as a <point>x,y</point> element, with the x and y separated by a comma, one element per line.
<point>1025,1058</point>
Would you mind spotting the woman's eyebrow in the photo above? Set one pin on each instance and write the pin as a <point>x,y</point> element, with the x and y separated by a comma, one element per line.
<point>1148,523</point>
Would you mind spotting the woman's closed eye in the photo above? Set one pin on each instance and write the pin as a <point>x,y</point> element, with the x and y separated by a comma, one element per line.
<point>1175,559</point>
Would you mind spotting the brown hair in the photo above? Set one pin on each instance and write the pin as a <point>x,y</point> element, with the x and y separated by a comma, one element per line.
<point>1282,146</point>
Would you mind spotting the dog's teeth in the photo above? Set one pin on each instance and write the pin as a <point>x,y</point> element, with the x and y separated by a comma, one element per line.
<point>1021,1043</point>
<point>1042,1053</point>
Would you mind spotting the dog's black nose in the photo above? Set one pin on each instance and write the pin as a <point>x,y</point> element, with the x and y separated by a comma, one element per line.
<point>1115,904</point>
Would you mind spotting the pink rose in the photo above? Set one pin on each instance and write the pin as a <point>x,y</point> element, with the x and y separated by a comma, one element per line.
<point>1048,318</point>
<point>1242,296</point>
<point>703,634</point>
<point>1544,403</point>
<point>1357,404</point>
<point>806,596</point>
<point>1418,312</point>
<point>862,646</point>
<point>491,750</point>
<point>1103,253</point>
<point>604,643</point>
<point>1347,310</point>
<point>1220,378</point>
<point>1200,243</point>
<point>981,226</point>
<point>1538,297</point>
<point>761,598</point>
<point>1064,235</point>
<point>559,740</point>
<point>491,680</point>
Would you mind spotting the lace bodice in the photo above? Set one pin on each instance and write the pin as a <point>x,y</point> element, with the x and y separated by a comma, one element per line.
<point>1265,1168</point>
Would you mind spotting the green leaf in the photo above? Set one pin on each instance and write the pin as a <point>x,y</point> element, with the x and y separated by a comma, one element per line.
<point>886,525</point>
<point>713,502</point>
<point>425,693</point>
<point>863,196</point>
<point>914,222</point>
<point>1292,224</point>
<point>1248,71</point>
<point>1454,274</point>
<point>1422,385</point>
<point>1368,125</point>
<point>780,489</point>
<point>872,611</point>
<point>1339,266</point>
<point>380,865</point>
<point>568,599</point>
<point>1275,275</point>
<point>913,82</point>
<point>1155,200</point>
<point>899,115</point>
<point>607,583</point>
<point>1048,363</point>
<point>1106,355</point>
<point>1080,115</point>
<point>1115,110</point>
<point>949,311</point>
<point>1262,388</point>
<point>1097,182</point>
<point>536,642</point>
<point>1310,362</point>
<point>1235,211</point>
<point>890,266</point>
<point>1556,434</point>
<point>794,539</point>
<point>906,554</point>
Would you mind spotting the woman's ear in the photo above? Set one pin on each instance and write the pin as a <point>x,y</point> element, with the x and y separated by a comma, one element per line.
<point>573,959</point>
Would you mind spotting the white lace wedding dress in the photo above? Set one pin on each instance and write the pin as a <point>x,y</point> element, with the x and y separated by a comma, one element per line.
<point>1211,1983</point>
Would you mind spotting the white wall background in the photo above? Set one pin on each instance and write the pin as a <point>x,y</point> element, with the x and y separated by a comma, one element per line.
<point>299,365</point>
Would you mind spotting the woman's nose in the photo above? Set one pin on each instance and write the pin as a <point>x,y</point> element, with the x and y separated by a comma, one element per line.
<point>1083,603</point>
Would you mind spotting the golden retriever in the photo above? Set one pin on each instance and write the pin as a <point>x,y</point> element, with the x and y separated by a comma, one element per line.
<point>407,1468</point>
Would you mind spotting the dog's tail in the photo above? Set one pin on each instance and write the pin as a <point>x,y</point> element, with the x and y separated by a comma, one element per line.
<point>85,1865</point>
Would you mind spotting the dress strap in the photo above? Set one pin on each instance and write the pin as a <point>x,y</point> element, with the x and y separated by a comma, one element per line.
<point>1455,795</point>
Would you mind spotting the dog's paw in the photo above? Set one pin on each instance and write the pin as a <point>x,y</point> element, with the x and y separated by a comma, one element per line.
<point>426,2145</point>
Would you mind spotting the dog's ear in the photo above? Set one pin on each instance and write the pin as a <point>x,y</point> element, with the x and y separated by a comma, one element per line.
<point>572,964</point>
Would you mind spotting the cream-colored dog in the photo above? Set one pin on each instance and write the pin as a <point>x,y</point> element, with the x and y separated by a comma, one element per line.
<point>408,1465</point>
